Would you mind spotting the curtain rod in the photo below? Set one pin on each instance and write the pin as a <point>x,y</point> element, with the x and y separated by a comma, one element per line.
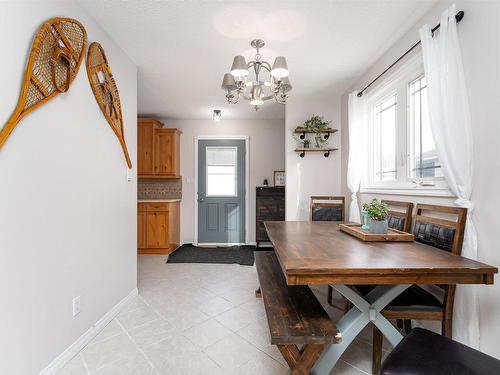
<point>459,16</point>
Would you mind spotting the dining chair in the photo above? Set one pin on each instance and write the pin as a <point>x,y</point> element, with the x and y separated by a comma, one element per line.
<point>399,215</point>
<point>433,226</point>
<point>324,208</point>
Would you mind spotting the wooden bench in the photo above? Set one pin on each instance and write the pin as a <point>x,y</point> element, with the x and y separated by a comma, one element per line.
<point>299,325</point>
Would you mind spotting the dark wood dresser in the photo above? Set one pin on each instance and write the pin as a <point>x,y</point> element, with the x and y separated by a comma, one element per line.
<point>270,206</point>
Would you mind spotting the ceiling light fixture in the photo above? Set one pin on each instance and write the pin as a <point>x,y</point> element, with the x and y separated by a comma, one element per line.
<point>217,115</point>
<point>237,83</point>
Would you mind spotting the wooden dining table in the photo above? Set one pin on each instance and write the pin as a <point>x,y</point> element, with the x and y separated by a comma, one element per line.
<point>318,253</point>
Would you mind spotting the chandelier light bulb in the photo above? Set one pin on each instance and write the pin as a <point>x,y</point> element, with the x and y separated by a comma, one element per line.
<point>239,67</point>
<point>285,84</point>
<point>280,68</point>
<point>256,96</point>
<point>256,102</point>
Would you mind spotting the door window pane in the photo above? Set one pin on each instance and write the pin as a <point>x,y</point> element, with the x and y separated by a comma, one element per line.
<point>384,140</point>
<point>221,171</point>
<point>424,163</point>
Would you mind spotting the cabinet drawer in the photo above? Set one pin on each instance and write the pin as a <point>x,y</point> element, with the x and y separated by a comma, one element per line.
<point>157,206</point>
<point>141,207</point>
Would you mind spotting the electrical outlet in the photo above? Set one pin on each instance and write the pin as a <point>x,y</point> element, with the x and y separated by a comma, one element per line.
<point>76,306</point>
<point>129,175</point>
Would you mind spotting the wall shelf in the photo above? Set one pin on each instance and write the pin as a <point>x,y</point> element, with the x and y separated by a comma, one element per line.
<point>303,132</point>
<point>326,151</point>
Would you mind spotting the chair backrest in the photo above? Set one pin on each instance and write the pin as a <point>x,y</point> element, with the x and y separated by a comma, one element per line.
<point>443,233</point>
<point>400,218</point>
<point>323,208</point>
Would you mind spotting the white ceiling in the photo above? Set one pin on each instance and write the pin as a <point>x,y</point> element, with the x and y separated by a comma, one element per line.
<point>183,48</point>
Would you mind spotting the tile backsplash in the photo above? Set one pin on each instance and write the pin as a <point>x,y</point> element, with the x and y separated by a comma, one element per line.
<point>159,189</point>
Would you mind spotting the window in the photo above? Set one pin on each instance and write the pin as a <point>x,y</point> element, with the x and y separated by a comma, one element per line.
<point>384,157</point>
<point>221,171</point>
<point>401,154</point>
<point>424,163</point>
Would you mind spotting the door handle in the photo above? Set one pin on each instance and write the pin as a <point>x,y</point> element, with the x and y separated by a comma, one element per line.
<point>201,196</point>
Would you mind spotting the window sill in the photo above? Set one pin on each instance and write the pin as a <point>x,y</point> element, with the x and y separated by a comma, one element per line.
<point>415,191</point>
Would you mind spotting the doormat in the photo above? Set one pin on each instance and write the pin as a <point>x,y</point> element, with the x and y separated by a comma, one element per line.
<point>188,253</point>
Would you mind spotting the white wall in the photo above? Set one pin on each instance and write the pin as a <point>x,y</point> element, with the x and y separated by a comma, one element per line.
<point>314,174</point>
<point>267,154</point>
<point>67,212</point>
<point>479,34</point>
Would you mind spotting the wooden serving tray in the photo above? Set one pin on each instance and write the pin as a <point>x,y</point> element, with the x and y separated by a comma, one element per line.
<point>392,234</point>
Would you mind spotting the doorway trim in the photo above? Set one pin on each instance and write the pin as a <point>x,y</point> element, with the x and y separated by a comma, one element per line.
<point>247,187</point>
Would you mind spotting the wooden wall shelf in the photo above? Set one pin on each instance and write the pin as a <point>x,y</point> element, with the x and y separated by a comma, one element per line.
<point>303,132</point>
<point>326,151</point>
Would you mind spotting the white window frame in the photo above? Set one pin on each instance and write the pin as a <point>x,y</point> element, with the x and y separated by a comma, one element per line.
<point>398,83</point>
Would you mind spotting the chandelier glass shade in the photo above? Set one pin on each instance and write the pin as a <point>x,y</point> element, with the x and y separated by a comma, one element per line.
<point>238,83</point>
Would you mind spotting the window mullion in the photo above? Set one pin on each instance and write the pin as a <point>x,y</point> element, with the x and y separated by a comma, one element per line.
<point>401,133</point>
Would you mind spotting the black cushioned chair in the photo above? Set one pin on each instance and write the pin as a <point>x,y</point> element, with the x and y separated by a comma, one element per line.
<point>416,303</point>
<point>324,208</point>
<point>423,352</point>
<point>399,218</point>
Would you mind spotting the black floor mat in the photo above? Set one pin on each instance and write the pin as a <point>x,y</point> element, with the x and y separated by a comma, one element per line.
<point>242,255</point>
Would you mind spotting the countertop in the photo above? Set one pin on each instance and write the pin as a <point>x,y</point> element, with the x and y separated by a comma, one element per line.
<point>158,200</point>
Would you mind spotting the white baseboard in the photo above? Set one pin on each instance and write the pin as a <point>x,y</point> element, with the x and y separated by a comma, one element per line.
<point>58,363</point>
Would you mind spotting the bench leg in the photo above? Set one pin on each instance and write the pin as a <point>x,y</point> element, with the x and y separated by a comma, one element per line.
<point>301,361</point>
<point>364,310</point>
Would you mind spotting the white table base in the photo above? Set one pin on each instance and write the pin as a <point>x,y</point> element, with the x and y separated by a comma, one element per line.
<point>365,310</point>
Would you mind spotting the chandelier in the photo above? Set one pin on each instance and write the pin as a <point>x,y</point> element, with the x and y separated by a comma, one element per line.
<point>238,84</point>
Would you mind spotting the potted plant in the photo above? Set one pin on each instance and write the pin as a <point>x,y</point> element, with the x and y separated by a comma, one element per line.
<point>377,211</point>
<point>316,124</point>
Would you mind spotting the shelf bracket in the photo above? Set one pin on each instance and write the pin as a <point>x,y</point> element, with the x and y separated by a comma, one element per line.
<point>302,154</point>
<point>302,135</point>
<point>327,154</point>
<point>327,135</point>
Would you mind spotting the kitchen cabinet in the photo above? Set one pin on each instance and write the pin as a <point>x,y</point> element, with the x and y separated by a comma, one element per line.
<point>158,227</point>
<point>141,224</point>
<point>166,153</point>
<point>158,149</point>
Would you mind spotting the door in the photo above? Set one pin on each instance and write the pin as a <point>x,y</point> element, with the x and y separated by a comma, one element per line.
<point>145,149</point>
<point>221,191</point>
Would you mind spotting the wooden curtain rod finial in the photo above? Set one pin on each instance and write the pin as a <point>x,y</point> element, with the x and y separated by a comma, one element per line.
<point>106,93</point>
<point>55,58</point>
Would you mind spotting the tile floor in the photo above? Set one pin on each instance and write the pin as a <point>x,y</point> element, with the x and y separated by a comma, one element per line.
<point>197,319</point>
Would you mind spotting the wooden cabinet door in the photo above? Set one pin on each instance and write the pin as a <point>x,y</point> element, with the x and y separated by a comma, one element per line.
<point>157,229</point>
<point>166,153</point>
<point>145,140</point>
<point>141,230</point>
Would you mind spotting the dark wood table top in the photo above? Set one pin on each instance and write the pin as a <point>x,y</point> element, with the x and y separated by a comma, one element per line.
<point>319,253</point>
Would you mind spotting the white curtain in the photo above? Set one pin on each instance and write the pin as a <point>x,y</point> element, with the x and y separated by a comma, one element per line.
<point>357,150</point>
<point>452,132</point>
